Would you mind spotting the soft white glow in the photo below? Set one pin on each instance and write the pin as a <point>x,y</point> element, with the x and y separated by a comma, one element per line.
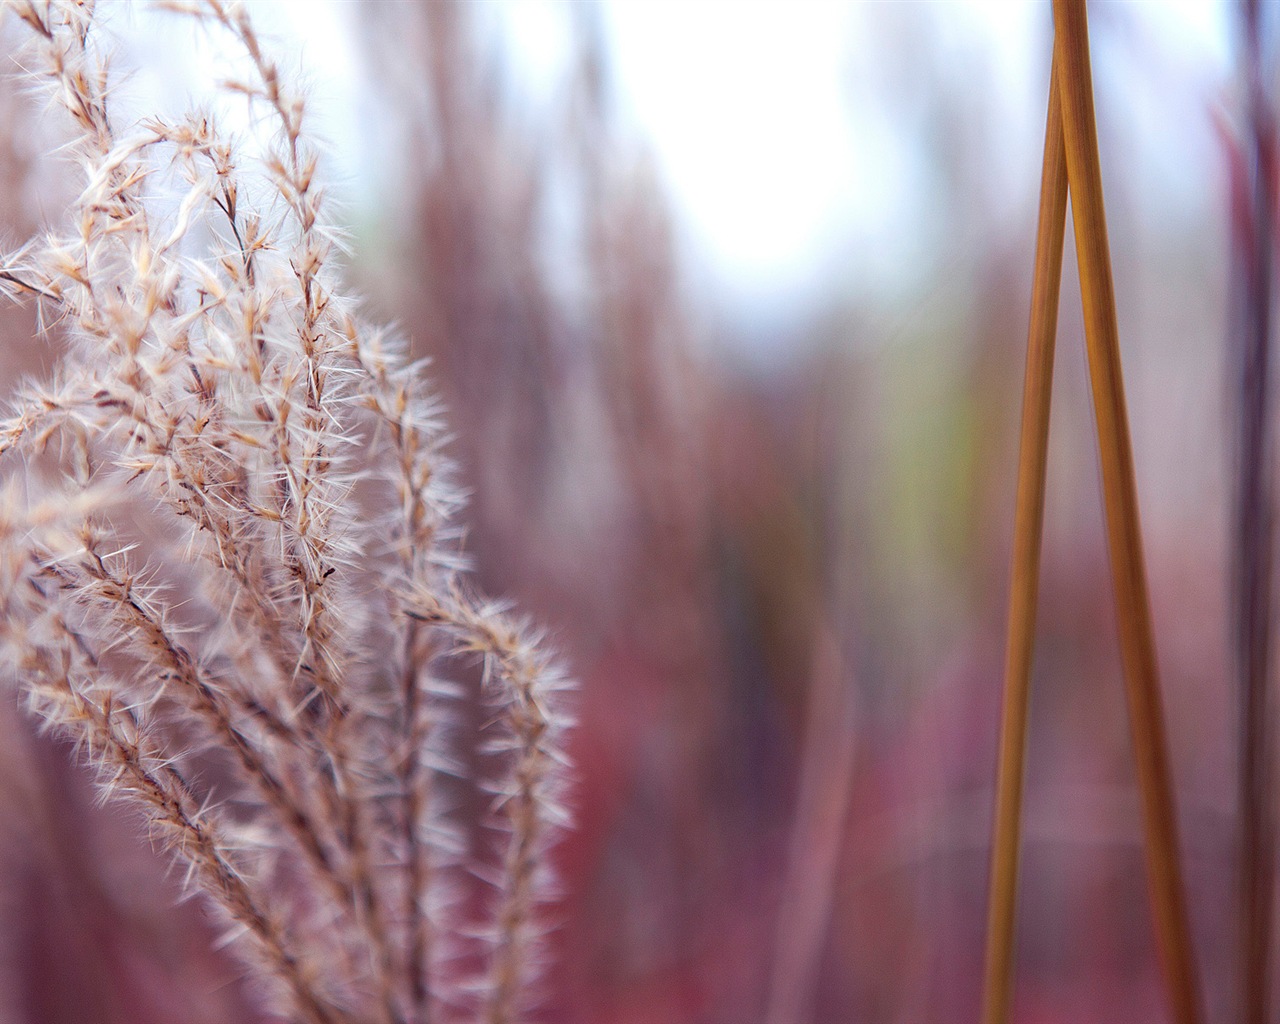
<point>783,158</point>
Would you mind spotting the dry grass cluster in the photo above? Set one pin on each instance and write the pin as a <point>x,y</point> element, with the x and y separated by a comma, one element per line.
<point>230,568</point>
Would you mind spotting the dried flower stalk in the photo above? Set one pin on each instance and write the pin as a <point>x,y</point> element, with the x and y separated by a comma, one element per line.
<point>231,572</point>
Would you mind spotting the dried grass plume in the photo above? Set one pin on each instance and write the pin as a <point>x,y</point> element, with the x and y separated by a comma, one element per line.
<point>229,567</point>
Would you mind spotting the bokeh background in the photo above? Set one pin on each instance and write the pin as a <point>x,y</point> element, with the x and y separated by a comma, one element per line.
<point>728,304</point>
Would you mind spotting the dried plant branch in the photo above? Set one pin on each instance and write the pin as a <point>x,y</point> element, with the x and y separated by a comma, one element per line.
<point>524,686</point>
<point>224,510</point>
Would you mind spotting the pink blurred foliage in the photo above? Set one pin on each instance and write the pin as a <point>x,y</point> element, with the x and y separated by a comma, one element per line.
<point>689,530</point>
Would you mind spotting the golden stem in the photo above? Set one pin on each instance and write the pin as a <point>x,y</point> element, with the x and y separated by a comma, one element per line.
<point>1025,577</point>
<point>1137,643</point>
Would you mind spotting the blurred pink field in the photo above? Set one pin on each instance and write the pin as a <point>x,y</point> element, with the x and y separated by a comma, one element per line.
<point>770,542</point>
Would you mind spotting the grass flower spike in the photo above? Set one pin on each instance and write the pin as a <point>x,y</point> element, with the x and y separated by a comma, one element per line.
<point>231,568</point>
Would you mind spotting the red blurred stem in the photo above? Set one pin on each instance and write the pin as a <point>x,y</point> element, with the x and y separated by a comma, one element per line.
<point>1252,547</point>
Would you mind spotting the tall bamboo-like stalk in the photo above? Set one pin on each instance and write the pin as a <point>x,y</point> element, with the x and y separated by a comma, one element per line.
<point>1124,535</point>
<point>1071,145</point>
<point>1025,577</point>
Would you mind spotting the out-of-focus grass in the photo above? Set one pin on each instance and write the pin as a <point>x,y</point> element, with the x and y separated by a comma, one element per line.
<point>690,528</point>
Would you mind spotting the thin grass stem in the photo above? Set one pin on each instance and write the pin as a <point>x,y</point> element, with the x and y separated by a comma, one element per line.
<point>1137,642</point>
<point>1028,528</point>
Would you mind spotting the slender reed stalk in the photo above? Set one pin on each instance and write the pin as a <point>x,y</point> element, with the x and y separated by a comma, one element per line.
<point>1253,535</point>
<point>1137,642</point>
<point>1025,577</point>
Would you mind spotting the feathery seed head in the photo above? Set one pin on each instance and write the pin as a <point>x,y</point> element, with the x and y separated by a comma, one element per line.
<point>227,536</point>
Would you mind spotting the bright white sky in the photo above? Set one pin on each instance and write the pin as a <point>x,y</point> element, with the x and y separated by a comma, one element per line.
<point>772,133</point>
<point>778,148</point>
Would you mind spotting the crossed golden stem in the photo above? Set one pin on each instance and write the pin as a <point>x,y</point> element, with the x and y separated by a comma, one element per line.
<point>1071,163</point>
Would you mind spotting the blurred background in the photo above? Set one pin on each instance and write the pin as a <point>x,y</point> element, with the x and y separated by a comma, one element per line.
<point>728,305</point>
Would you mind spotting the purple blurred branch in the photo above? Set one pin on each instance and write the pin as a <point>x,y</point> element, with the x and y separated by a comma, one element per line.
<point>1252,549</point>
